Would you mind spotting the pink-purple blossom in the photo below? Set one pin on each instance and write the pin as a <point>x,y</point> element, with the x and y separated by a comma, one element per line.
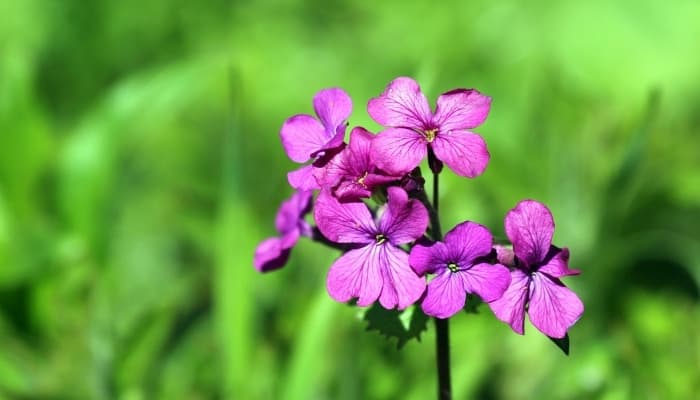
<point>306,138</point>
<point>413,128</point>
<point>537,266</point>
<point>273,253</point>
<point>459,269</point>
<point>376,267</point>
<point>350,174</point>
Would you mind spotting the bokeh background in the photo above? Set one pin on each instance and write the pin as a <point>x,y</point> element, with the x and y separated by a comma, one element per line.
<point>140,166</point>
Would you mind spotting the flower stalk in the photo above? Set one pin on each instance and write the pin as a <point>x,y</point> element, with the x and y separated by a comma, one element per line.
<point>442,349</point>
<point>442,326</point>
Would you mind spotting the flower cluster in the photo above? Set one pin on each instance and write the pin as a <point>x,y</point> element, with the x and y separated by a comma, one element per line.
<point>371,204</point>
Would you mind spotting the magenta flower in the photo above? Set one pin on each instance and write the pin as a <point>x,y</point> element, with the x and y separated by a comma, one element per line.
<point>376,268</point>
<point>305,138</point>
<point>456,263</point>
<point>350,173</point>
<point>535,284</point>
<point>413,128</point>
<point>272,253</point>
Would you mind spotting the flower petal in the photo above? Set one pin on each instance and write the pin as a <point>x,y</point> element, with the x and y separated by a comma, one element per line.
<point>356,273</point>
<point>402,104</point>
<point>270,255</point>
<point>553,307</point>
<point>505,255</point>
<point>486,280</point>
<point>372,179</point>
<point>337,169</point>
<point>556,263</point>
<point>289,239</point>
<point>403,220</point>
<point>333,107</point>
<point>351,163</point>
<point>292,211</point>
<point>402,287</point>
<point>305,229</point>
<point>461,109</point>
<point>445,295</point>
<point>303,178</point>
<point>426,259</point>
<point>464,152</point>
<point>302,135</point>
<point>351,191</point>
<point>530,227</point>
<point>360,146</point>
<point>343,222</point>
<point>468,241</point>
<point>510,308</point>
<point>397,150</point>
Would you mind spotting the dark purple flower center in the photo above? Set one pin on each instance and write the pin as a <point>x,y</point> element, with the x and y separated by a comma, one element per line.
<point>453,267</point>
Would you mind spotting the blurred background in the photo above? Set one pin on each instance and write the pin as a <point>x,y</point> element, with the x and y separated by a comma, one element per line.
<point>140,166</point>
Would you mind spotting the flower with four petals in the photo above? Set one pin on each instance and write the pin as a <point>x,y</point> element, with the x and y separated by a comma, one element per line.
<point>377,267</point>
<point>413,128</point>
<point>537,266</point>
<point>306,138</point>
<point>460,268</point>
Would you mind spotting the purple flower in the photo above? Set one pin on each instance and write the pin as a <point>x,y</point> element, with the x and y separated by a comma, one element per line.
<point>376,268</point>
<point>413,128</point>
<point>350,173</point>
<point>535,284</point>
<point>305,138</point>
<point>272,253</point>
<point>458,270</point>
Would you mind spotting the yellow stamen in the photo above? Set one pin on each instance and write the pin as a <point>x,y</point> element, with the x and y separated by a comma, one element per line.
<point>361,181</point>
<point>430,134</point>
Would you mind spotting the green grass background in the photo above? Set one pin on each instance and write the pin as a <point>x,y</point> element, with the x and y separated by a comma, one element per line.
<point>140,165</point>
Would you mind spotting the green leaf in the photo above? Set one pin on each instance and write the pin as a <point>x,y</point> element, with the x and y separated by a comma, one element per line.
<point>472,304</point>
<point>402,325</point>
<point>562,343</point>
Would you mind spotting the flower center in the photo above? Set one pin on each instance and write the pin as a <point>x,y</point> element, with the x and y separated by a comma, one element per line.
<point>361,181</point>
<point>380,238</point>
<point>453,267</point>
<point>430,134</point>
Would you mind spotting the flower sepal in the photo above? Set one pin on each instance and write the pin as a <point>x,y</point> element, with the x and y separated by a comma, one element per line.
<point>562,343</point>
